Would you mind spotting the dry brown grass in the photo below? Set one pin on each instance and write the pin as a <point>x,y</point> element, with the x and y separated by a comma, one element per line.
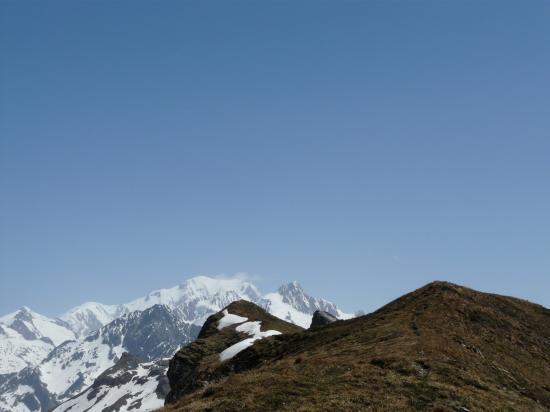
<point>441,348</point>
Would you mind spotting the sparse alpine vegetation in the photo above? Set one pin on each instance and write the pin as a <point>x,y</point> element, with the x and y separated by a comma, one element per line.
<point>442,347</point>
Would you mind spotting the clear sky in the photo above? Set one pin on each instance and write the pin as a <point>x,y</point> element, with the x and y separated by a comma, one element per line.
<point>362,148</point>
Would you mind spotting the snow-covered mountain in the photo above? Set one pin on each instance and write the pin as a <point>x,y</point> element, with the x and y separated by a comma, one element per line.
<point>92,337</point>
<point>129,385</point>
<point>27,337</point>
<point>32,325</point>
<point>195,300</point>
<point>199,297</point>
<point>70,368</point>
<point>292,304</point>
<point>91,316</point>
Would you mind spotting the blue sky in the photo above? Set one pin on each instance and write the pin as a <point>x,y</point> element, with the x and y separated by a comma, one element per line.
<point>362,148</point>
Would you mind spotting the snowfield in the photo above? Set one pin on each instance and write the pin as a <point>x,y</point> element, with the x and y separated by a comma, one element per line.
<point>16,352</point>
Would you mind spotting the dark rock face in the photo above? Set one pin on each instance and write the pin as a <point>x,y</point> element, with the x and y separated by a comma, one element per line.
<point>118,374</point>
<point>151,334</point>
<point>183,374</point>
<point>157,332</point>
<point>322,318</point>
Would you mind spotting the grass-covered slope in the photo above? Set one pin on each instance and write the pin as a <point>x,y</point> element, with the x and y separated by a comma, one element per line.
<point>442,347</point>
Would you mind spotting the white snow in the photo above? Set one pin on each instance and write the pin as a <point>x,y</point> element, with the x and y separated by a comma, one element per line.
<point>57,333</point>
<point>236,348</point>
<point>11,399</point>
<point>107,396</point>
<point>41,326</point>
<point>229,319</point>
<point>90,316</point>
<point>252,329</point>
<point>16,352</point>
<point>283,310</point>
<point>344,315</point>
<point>83,359</point>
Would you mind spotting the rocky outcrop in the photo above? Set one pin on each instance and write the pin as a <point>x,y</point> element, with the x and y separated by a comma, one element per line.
<point>198,364</point>
<point>322,318</point>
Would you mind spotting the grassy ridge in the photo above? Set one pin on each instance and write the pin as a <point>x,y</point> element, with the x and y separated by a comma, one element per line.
<point>442,347</point>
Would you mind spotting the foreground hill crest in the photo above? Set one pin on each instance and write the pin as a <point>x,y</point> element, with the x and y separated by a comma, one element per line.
<point>442,347</point>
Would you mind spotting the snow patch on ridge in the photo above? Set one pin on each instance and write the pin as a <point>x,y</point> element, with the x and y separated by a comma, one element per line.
<point>230,319</point>
<point>250,328</point>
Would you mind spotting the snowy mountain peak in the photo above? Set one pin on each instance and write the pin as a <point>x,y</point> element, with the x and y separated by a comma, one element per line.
<point>207,286</point>
<point>293,304</point>
<point>25,309</point>
<point>291,288</point>
<point>91,316</point>
<point>196,298</point>
<point>293,294</point>
<point>33,326</point>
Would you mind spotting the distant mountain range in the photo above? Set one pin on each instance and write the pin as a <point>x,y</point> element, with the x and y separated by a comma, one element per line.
<point>49,361</point>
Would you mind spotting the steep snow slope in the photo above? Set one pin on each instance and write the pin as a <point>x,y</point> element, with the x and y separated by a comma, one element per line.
<point>27,337</point>
<point>127,386</point>
<point>32,325</point>
<point>16,352</point>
